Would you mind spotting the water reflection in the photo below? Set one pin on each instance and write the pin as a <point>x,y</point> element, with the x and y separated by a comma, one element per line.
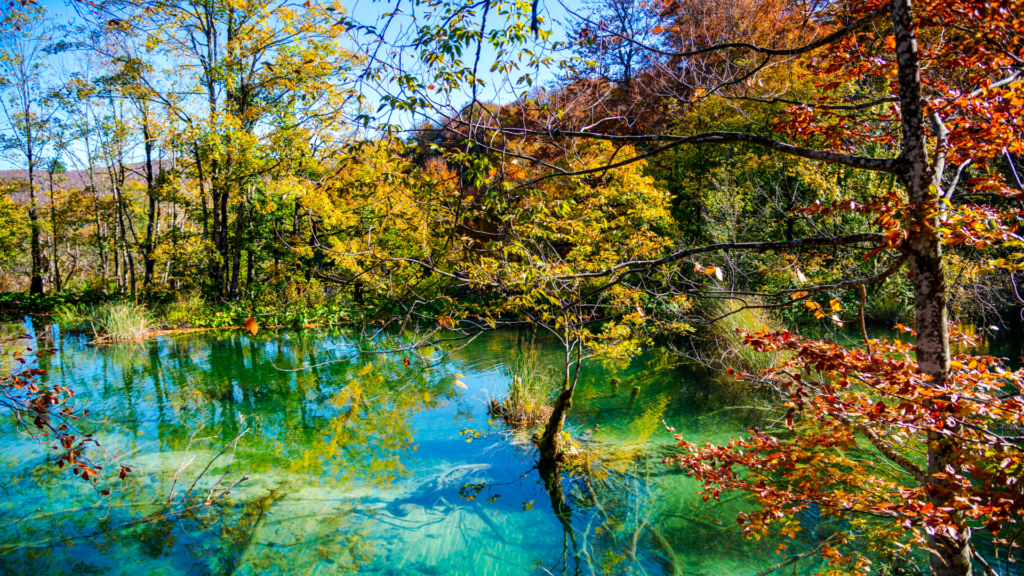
<point>359,463</point>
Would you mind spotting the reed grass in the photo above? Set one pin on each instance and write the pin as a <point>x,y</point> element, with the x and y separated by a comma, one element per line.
<point>120,321</point>
<point>72,317</point>
<point>731,351</point>
<point>530,391</point>
<point>890,304</point>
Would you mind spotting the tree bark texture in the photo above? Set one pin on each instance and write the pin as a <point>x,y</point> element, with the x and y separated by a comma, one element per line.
<point>950,553</point>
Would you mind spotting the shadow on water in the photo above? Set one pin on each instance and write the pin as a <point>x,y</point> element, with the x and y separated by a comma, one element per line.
<point>358,463</point>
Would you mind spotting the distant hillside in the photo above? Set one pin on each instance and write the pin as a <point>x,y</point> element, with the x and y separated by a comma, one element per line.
<point>73,178</point>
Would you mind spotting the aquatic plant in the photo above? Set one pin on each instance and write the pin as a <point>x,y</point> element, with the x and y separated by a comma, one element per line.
<point>727,349</point>
<point>890,304</point>
<point>530,391</point>
<point>71,316</point>
<point>120,321</point>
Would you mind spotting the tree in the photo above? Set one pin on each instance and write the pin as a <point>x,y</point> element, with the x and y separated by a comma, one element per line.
<point>12,224</point>
<point>242,82</point>
<point>24,35</point>
<point>916,95</point>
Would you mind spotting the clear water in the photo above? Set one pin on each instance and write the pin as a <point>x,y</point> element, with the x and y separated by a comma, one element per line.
<point>359,464</point>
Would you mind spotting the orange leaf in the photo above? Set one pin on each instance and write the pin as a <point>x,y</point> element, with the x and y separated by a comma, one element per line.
<point>716,272</point>
<point>251,325</point>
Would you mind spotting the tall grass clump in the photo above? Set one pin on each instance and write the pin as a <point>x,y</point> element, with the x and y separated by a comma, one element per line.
<point>71,317</point>
<point>530,390</point>
<point>727,349</point>
<point>120,321</point>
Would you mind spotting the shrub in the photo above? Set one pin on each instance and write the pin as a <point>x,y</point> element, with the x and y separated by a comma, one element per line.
<point>184,311</point>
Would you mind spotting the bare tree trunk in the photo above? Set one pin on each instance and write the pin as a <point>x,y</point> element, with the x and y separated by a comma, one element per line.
<point>236,255</point>
<point>250,266</point>
<point>35,246</point>
<point>550,441</point>
<point>149,246</point>
<point>549,444</point>
<point>118,284</point>
<point>220,263</point>
<point>128,268</point>
<point>54,240</point>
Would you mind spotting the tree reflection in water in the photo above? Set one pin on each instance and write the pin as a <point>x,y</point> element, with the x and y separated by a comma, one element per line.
<point>326,428</point>
<point>361,463</point>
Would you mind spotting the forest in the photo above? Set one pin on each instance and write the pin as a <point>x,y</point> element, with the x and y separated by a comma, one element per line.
<point>813,205</point>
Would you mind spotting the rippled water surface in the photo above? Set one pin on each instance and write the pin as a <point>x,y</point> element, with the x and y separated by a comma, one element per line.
<point>359,464</point>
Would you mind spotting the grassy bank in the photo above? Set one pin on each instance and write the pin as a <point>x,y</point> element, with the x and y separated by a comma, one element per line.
<point>117,319</point>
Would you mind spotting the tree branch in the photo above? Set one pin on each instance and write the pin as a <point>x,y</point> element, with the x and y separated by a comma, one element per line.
<point>888,166</point>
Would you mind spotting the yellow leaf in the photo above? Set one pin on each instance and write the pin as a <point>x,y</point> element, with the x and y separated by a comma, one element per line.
<point>460,384</point>
<point>836,306</point>
<point>956,364</point>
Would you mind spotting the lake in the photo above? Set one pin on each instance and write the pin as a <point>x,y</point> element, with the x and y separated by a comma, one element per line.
<point>357,463</point>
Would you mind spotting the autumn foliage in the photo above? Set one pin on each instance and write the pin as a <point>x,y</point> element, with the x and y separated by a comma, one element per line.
<point>851,409</point>
<point>51,416</point>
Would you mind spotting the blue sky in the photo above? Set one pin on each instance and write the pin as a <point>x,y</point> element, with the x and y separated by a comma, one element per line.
<point>367,11</point>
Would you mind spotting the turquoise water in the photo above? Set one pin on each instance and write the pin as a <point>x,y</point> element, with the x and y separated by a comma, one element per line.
<point>359,464</point>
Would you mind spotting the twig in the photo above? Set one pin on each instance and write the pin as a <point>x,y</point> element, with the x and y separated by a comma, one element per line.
<point>798,557</point>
